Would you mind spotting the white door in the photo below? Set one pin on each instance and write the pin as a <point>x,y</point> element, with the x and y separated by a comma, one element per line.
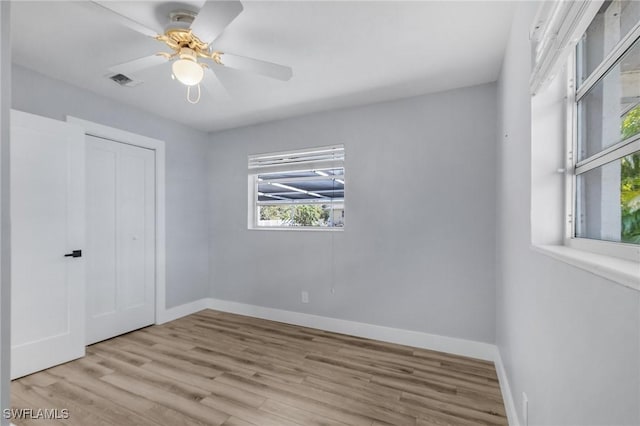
<point>120,250</point>
<point>47,223</point>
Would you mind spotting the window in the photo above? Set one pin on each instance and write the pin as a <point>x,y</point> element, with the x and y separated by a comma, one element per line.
<point>606,110</point>
<point>297,190</point>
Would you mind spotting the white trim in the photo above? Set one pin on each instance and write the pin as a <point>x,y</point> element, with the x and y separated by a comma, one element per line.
<point>452,345</point>
<point>417,339</point>
<point>117,135</point>
<point>571,147</point>
<point>298,228</point>
<point>180,311</point>
<point>5,202</point>
<point>620,271</point>
<point>620,250</point>
<point>505,388</point>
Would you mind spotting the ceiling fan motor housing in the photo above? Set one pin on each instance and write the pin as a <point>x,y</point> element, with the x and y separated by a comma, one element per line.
<point>188,54</point>
<point>178,39</point>
<point>180,20</point>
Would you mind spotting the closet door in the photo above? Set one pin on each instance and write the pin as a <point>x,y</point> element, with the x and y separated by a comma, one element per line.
<point>120,251</point>
<point>47,243</point>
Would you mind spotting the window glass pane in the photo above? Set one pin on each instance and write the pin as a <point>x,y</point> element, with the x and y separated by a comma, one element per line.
<point>610,112</point>
<point>301,198</point>
<point>613,21</point>
<point>608,201</point>
<point>296,215</point>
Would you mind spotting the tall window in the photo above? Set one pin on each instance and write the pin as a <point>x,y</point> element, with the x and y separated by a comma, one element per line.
<point>299,189</point>
<point>606,149</point>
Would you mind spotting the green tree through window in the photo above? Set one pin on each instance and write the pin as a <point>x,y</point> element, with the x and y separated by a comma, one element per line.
<point>275,213</point>
<point>307,215</point>
<point>630,182</point>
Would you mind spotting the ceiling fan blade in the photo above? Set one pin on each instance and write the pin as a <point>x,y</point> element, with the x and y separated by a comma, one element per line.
<point>123,20</point>
<point>279,72</point>
<point>138,64</point>
<point>214,17</point>
<point>214,86</point>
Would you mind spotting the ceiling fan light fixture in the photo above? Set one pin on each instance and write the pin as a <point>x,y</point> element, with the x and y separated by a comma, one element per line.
<point>187,70</point>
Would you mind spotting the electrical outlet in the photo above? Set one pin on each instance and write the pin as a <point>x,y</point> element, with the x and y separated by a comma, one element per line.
<point>525,409</point>
<point>305,297</point>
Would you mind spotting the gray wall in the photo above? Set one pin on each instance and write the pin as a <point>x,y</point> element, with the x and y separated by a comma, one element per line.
<point>417,251</point>
<point>569,339</point>
<point>186,171</point>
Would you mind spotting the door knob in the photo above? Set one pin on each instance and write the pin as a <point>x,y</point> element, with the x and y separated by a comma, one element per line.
<point>75,253</point>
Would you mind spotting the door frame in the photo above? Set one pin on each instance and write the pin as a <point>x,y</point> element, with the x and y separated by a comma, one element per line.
<point>122,136</point>
<point>5,203</point>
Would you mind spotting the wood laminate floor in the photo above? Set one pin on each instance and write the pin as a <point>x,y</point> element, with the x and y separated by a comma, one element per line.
<point>214,368</point>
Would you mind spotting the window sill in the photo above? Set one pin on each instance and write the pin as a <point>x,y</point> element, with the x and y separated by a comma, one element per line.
<point>295,229</point>
<point>620,271</point>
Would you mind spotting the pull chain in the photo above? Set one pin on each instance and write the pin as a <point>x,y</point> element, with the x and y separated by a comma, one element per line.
<point>197,99</point>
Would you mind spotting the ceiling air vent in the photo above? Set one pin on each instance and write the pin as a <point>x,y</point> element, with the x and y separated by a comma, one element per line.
<point>123,80</point>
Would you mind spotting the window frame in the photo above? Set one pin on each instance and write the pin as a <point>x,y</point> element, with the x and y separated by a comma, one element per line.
<point>574,167</point>
<point>253,193</point>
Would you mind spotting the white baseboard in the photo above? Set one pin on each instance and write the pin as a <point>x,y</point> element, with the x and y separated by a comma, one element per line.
<point>181,311</point>
<point>507,396</point>
<point>452,345</point>
<point>417,339</point>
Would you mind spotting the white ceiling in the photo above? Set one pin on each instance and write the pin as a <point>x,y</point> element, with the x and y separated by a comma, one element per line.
<point>342,53</point>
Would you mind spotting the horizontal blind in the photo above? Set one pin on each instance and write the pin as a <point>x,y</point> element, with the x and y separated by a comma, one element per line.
<point>329,156</point>
<point>556,31</point>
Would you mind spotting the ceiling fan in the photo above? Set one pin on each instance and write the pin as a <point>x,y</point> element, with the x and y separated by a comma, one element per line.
<point>189,36</point>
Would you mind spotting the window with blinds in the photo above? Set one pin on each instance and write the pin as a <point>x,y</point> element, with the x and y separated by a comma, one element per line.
<point>557,27</point>
<point>298,189</point>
